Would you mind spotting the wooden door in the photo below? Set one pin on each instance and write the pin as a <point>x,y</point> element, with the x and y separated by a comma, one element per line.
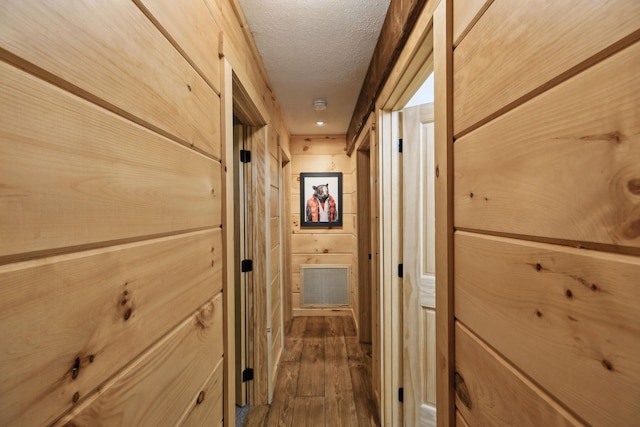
<point>419,365</point>
<point>241,252</point>
<point>275,329</point>
<point>364,245</point>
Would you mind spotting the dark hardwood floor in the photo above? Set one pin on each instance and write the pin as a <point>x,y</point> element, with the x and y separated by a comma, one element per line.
<point>323,378</point>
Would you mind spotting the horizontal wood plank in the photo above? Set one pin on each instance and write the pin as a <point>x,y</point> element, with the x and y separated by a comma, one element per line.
<point>298,259</point>
<point>206,406</point>
<point>73,174</point>
<point>490,392</point>
<point>101,307</point>
<point>514,52</point>
<point>111,50</point>
<point>465,14</point>
<point>320,163</point>
<point>566,165</point>
<point>566,317</point>
<point>318,144</point>
<point>163,381</point>
<point>348,226</point>
<point>321,244</point>
<point>196,33</point>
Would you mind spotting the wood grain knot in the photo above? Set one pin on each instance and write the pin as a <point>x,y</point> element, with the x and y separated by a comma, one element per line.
<point>607,364</point>
<point>75,370</point>
<point>127,314</point>
<point>632,229</point>
<point>76,397</point>
<point>200,398</point>
<point>461,390</point>
<point>634,186</point>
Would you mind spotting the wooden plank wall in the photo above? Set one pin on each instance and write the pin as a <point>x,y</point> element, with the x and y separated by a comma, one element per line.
<point>547,212</point>
<point>111,201</point>
<point>333,245</point>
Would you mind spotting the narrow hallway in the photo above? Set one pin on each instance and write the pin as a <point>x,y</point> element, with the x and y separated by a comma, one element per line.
<point>323,378</point>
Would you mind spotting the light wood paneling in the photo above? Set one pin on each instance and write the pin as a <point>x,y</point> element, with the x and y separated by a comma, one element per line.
<point>101,63</point>
<point>101,307</point>
<point>465,14</point>
<point>69,179</point>
<point>319,259</point>
<point>196,34</point>
<point>163,380</point>
<point>320,163</point>
<point>523,60</point>
<point>206,406</point>
<point>567,317</point>
<point>322,244</point>
<point>564,166</point>
<point>317,144</point>
<point>490,392</point>
<point>348,226</point>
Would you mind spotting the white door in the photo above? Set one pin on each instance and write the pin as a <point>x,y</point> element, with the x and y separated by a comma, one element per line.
<point>419,366</point>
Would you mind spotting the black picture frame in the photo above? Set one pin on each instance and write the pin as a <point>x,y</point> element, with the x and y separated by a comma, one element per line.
<point>311,214</point>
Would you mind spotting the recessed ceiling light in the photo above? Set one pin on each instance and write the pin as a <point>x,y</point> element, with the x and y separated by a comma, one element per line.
<point>319,104</point>
<point>320,123</point>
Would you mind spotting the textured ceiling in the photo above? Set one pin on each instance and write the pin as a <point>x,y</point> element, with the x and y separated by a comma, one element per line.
<point>316,49</point>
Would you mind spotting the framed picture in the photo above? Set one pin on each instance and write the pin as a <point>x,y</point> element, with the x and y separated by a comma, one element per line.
<point>321,199</point>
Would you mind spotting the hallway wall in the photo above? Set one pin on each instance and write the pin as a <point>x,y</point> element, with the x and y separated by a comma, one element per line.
<point>546,161</point>
<point>112,175</point>
<point>336,245</point>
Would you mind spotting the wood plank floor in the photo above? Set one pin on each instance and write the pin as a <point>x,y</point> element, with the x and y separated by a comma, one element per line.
<point>323,378</point>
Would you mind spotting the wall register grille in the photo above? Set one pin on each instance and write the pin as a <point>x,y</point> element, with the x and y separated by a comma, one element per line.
<point>325,285</point>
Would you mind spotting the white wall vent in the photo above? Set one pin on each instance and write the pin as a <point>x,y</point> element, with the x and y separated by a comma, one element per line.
<point>325,285</point>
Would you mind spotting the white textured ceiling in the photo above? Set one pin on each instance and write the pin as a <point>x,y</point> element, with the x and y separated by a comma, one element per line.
<point>316,49</point>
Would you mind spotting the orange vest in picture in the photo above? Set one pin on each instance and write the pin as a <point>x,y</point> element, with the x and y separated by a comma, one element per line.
<point>313,209</point>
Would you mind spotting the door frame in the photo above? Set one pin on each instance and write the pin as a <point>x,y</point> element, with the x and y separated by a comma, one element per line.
<point>428,48</point>
<point>237,101</point>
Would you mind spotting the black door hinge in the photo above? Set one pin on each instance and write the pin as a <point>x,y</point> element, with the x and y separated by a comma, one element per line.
<point>400,145</point>
<point>246,265</point>
<point>247,375</point>
<point>245,156</point>
<point>401,394</point>
<point>400,270</point>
